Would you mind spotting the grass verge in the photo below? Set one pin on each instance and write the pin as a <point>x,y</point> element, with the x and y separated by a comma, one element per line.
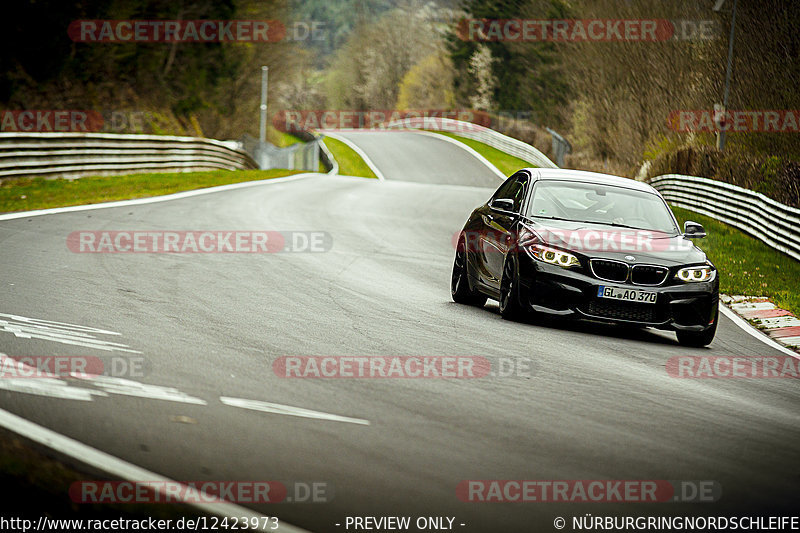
<point>746,265</point>
<point>350,163</point>
<point>281,139</point>
<point>505,163</point>
<point>24,194</point>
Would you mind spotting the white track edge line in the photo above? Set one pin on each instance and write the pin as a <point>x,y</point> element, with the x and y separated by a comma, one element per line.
<point>358,151</point>
<point>289,410</point>
<point>153,199</point>
<point>469,149</point>
<point>745,325</point>
<point>85,454</point>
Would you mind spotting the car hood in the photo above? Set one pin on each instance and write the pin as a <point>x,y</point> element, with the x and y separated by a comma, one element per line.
<point>615,242</point>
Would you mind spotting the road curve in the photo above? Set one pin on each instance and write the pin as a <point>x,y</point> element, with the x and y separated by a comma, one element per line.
<point>597,402</point>
<point>410,156</point>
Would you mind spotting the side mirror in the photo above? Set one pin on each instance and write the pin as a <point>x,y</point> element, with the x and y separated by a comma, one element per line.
<point>693,230</point>
<point>503,204</point>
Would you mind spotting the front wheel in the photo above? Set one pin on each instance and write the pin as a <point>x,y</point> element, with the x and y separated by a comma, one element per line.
<point>698,339</point>
<point>510,304</point>
<point>460,290</point>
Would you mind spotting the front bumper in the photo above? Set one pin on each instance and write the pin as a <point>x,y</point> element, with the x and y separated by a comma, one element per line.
<point>564,292</point>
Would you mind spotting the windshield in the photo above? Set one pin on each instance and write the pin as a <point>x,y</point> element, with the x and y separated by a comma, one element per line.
<point>600,204</point>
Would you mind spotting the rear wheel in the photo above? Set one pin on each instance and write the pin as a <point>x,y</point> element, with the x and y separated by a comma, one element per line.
<point>459,283</point>
<point>510,304</point>
<point>698,339</point>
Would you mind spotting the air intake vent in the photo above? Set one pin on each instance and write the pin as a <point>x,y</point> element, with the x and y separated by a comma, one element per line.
<point>609,270</point>
<point>624,311</point>
<point>648,274</point>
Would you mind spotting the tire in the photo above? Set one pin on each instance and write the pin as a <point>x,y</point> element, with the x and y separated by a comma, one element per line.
<point>460,290</point>
<point>698,339</point>
<point>510,303</point>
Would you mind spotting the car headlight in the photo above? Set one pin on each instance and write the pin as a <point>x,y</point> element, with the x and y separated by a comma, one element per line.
<point>553,256</point>
<point>696,273</point>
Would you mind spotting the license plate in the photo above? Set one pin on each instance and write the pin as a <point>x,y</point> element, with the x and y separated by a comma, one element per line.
<point>628,295</point>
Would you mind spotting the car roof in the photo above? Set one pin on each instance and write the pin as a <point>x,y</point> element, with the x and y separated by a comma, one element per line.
<point>562,174</point>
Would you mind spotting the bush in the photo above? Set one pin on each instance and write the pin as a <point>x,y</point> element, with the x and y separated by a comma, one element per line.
<point>525,131</point>
<point>775,177</point>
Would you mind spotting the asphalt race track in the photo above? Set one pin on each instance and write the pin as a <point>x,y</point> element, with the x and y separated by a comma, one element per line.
<point>405,156</point>
<point>595,403</point>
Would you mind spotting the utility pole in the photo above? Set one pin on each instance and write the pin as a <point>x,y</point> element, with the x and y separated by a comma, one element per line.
<point>262,136</point>
<point>721,137</point>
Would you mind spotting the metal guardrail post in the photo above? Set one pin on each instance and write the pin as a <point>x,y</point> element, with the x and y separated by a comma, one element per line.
<point>561,147</point>
<point>300,156</point>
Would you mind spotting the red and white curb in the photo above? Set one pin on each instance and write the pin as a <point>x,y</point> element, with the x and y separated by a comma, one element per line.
<point>781,325</point>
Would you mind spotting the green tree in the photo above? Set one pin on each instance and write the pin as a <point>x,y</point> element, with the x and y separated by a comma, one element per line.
<point>529,74</point>
<point>428,84</point>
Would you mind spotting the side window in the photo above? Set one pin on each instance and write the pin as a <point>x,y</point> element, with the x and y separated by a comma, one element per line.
<point>506,189</point>
<point>521,191</point>
<point>513,189</point>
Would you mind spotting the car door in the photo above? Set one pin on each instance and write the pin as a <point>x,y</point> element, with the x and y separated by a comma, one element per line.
<point>500,219</point>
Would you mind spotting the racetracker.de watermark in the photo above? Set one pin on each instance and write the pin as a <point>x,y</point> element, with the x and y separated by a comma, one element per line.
<point>73,120</point>
<point>742,120</point>
<point>401,367</point>
<point>297,120</point>
<point>586,30</point>
<point>176,31</point>
<point>81,366</point>
<point>719,366</point>
<point>55,120</point>
<point>588,491</point>
<point>198,241</point>
<point>581,240</point>
<point>242,492</point>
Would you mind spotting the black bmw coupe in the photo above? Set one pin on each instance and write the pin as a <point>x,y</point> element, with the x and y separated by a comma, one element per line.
<point>587,245</point>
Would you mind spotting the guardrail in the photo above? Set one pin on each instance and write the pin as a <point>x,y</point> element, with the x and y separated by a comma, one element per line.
<point>561,146</point>
<point>298,156</point>
<point>73,155</point>
<point>326,157</point>
<point>772,222</point>
<point>479,133</point>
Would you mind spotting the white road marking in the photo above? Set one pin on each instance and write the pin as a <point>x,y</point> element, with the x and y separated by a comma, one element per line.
<point>288,410</point>
<point>26,333</point>
<point>50,386</point>
<point>359,151</point>
<point>126,387</point>
<point>53,386</point>
<point>120,468</point>
<point>742,323</point>
<point>76,335</point>
<point>10,368</point>
<point>153,199</point>
<point>57,325</point>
